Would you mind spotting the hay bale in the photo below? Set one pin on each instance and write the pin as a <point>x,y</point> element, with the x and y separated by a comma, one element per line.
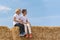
<point>15,33</point>
<point>5,33</point>
<point>39,33</point>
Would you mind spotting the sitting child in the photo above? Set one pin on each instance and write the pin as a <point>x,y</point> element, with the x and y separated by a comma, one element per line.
<point>26,24</point>
<point>18,22</point>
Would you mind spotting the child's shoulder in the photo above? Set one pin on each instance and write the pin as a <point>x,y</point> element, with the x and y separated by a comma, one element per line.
<point>14,15</point>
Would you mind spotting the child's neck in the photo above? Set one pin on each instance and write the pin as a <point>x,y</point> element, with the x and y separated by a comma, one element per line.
<point>17,13</point>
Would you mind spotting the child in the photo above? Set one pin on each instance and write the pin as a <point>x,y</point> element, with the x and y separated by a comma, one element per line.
<point>26,23</point>
<point>18,22</point>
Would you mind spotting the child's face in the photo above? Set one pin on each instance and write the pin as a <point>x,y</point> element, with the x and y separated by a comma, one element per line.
<point>25,13</point>
<point>18,12</point>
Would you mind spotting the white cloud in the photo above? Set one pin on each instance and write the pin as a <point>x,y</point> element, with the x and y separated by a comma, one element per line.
<point>4,8</point>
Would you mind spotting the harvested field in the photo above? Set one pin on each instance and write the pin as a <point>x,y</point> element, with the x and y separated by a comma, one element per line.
<point>39,33</point>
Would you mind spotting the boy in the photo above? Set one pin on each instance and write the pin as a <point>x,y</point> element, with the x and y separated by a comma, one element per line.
<point>26,23</point>
<point>18,22</point>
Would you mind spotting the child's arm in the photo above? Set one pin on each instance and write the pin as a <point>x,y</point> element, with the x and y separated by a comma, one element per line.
<point>20,21</point>
<point>27,21</point>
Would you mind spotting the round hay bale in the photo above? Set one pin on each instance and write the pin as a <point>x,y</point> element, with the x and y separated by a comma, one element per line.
<point>5,33</point>
<point>15,33</point>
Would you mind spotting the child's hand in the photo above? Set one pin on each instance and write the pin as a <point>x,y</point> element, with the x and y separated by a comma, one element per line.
<point>20,21</point>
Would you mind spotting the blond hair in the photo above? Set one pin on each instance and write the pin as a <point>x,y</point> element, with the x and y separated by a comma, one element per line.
<point>17,10</point>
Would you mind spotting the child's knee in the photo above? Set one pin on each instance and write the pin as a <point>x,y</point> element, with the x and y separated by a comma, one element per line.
<point>28,24</point>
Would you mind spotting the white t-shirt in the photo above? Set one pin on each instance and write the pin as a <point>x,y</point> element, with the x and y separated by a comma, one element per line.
<point>24,18</point>
<point>17,18</point>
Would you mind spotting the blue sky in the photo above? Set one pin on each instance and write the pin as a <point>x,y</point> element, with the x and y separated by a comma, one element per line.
<point>40,12</point>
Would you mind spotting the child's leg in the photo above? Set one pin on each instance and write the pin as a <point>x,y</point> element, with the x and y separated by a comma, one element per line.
<point>21,28</point>
<point>29,28</point>
<point>25,28</point>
